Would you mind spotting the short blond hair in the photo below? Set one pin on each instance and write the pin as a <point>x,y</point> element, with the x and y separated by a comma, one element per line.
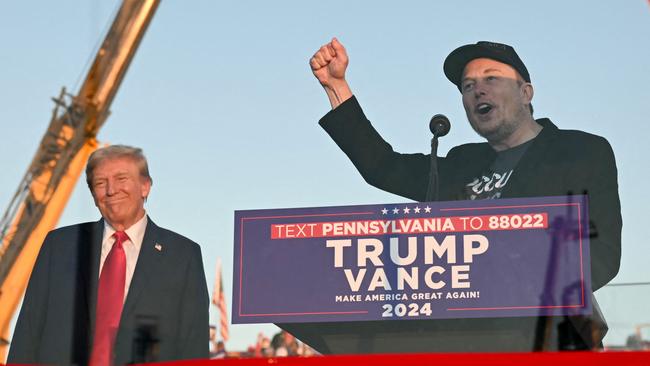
<point>116,152</point>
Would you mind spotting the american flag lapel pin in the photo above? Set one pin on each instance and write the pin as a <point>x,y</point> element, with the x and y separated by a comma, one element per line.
<point>158,247</point>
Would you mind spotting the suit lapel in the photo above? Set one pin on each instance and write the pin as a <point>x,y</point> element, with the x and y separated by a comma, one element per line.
<point>94,243</point>
<point>88,250</point>
<point>531,163</point>
<point>147,265</point>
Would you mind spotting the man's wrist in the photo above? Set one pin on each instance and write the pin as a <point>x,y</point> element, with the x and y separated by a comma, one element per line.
<point>338,92</point>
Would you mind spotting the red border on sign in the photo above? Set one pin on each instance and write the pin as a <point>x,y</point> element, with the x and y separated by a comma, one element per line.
<point>582,282</point>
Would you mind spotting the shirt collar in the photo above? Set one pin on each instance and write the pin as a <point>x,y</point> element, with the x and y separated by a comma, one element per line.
<point>135,232</point>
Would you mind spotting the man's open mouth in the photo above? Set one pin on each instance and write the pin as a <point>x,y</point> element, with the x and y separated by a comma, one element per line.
<point>483,108</point>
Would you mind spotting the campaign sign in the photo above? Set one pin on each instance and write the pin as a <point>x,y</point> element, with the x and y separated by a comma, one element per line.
<point>460,259</point>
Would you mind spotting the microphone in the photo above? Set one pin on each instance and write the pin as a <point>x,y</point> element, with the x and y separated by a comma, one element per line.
<point>439,125</point>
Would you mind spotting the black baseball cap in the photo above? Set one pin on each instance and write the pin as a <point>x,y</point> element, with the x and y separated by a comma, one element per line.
<point>458,58</point>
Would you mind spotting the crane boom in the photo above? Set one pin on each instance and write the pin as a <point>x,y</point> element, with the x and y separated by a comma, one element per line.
<point>61,155</point>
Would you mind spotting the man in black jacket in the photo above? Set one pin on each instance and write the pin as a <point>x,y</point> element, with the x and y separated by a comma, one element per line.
<point>522,157</point>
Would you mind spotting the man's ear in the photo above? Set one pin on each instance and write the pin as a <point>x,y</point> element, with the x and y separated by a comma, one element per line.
<point>145,188</point>
<point>528,92</point>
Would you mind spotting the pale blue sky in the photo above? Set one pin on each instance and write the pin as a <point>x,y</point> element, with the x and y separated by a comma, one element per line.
<point>221,99</point>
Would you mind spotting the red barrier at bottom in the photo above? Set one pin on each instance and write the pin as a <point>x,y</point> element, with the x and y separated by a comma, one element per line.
<point>447,359</point>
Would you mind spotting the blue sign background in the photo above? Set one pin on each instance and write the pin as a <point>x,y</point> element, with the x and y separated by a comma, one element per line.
<point>526,272</point>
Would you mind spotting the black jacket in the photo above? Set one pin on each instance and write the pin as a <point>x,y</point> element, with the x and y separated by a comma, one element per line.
<point>558,163</point>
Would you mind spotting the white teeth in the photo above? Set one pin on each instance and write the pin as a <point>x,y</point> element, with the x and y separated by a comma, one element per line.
<point>483,108</point>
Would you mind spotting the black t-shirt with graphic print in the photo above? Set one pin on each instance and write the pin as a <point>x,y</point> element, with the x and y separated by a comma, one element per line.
<point>492,182</point>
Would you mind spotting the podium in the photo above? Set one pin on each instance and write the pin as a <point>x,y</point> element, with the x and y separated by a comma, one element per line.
<point>444,335</point>
<point>506,276</point>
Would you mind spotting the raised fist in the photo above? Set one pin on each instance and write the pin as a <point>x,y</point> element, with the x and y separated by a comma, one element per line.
<point>329,63</point>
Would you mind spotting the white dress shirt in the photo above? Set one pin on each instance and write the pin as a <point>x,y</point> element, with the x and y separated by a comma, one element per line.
<point>131,247</point>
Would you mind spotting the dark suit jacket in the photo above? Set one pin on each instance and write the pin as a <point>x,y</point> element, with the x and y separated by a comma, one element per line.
<point>167,303</point>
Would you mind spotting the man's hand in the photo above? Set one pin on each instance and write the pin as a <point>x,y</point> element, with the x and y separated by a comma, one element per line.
<point>328,65</point>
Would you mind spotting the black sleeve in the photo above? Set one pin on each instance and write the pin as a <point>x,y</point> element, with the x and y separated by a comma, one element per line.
<point>402,174</point>
<point>26,340</point>
<point>605,222</point>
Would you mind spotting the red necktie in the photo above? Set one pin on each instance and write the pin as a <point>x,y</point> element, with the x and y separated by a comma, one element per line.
<point>110,298</point>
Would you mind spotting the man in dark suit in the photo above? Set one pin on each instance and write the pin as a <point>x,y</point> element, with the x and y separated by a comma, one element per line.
<point>117,291</point>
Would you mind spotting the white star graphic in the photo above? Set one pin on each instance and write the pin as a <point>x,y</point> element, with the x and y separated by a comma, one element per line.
<point>396,210</point>
<point>407,210</point>
<point>427,209</point>
<point>416,209</point>
<point>384,211</point>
